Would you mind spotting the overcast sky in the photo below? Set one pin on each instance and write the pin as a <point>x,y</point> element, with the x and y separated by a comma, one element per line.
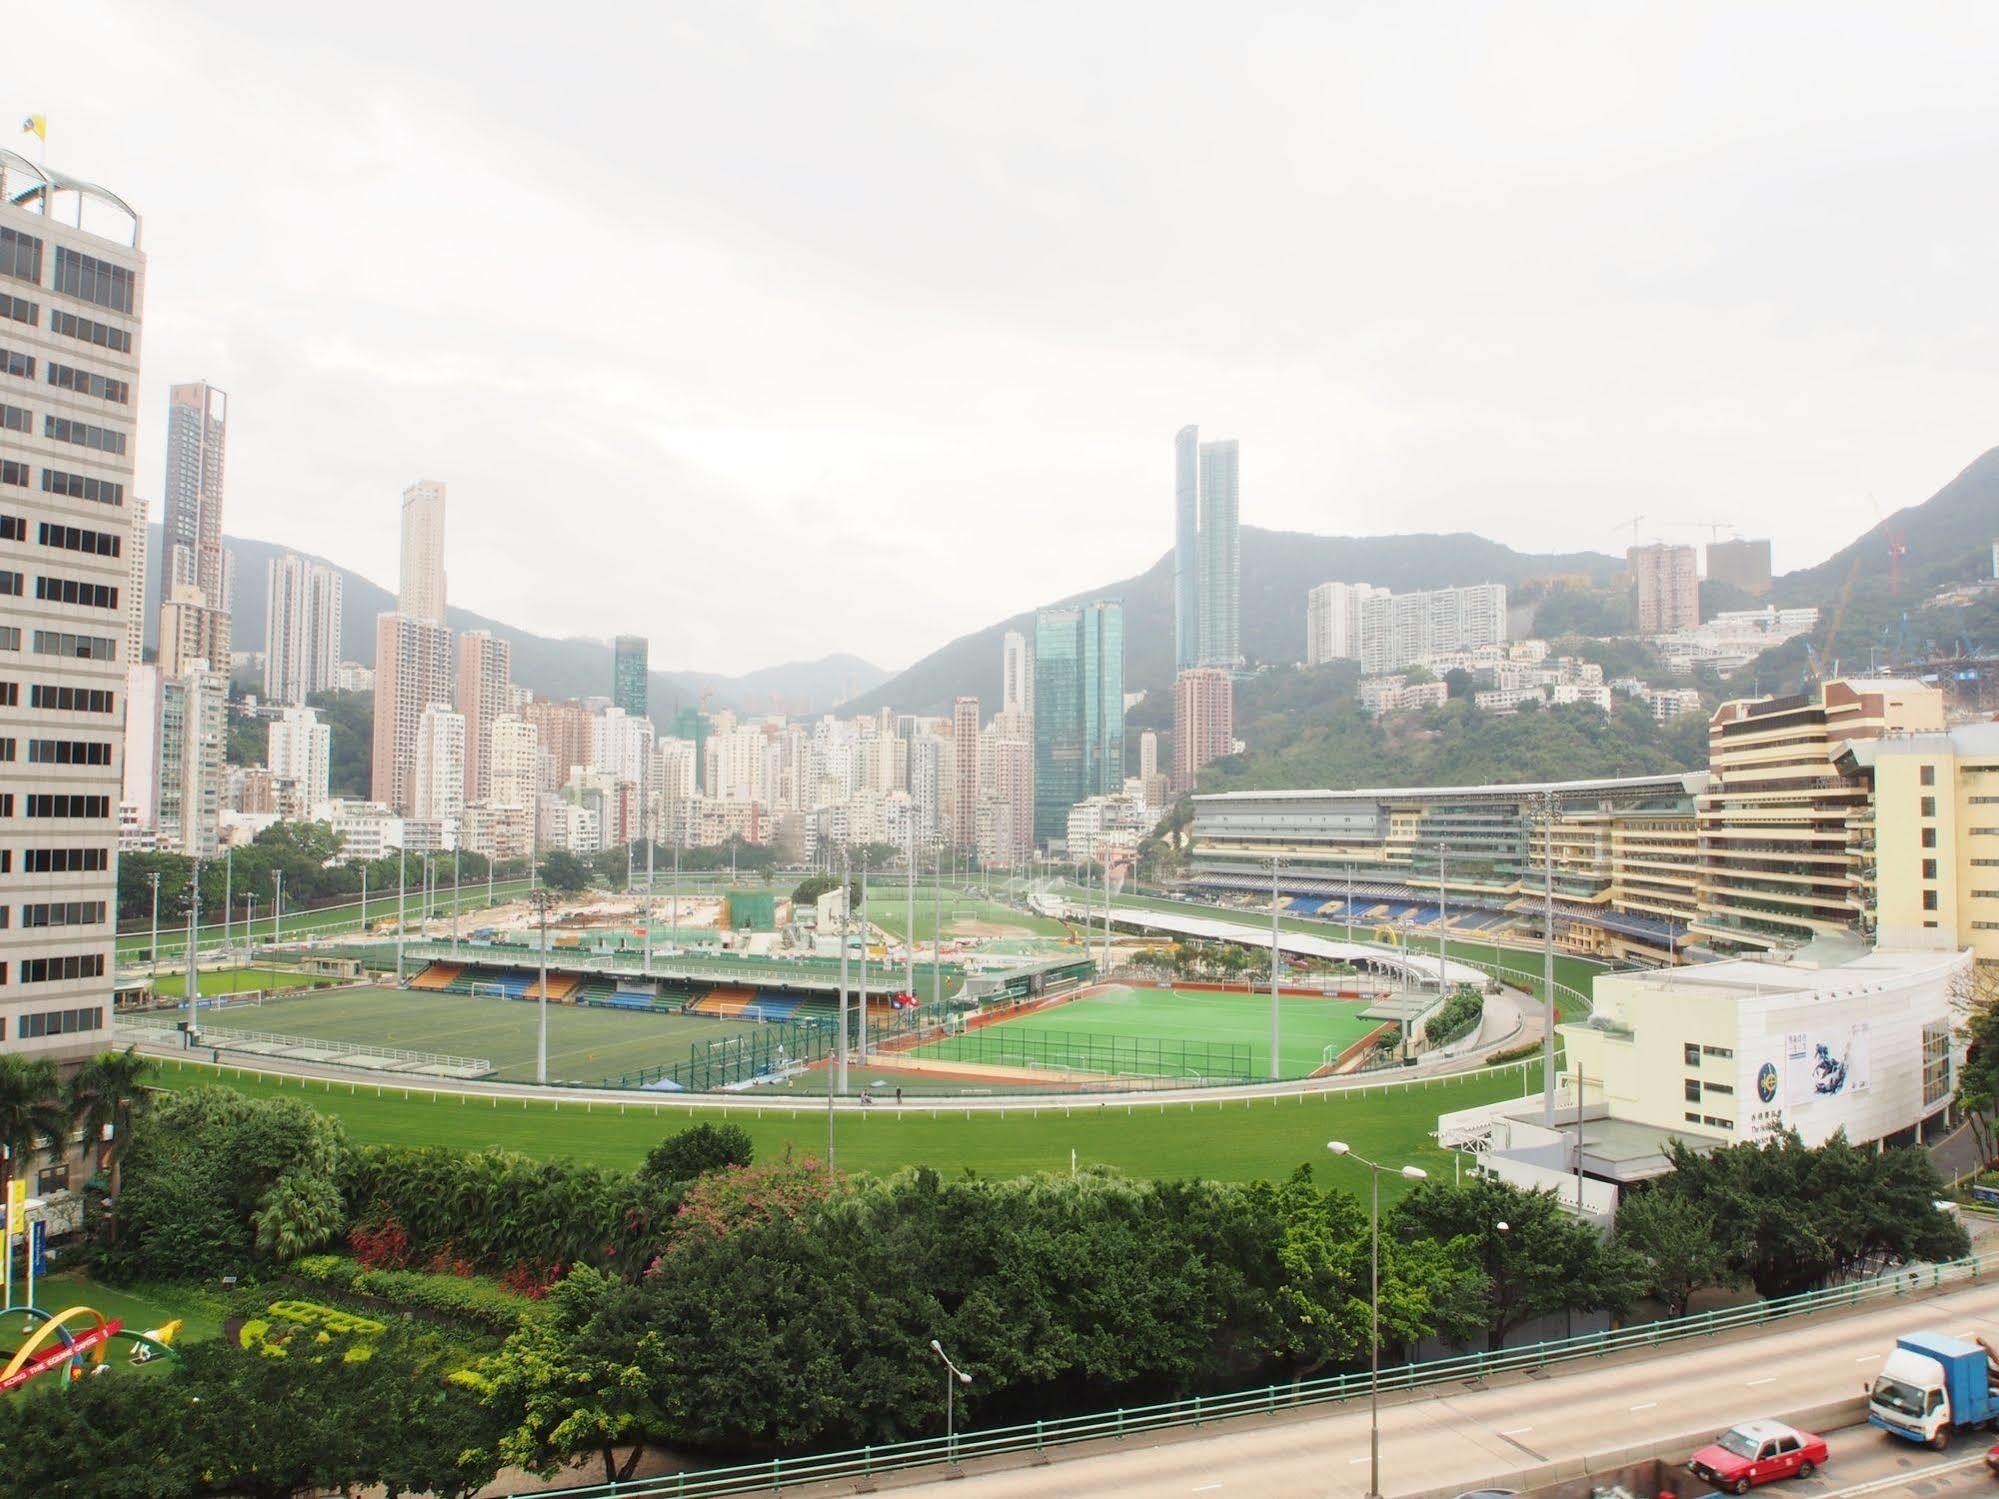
<point>769,331</point>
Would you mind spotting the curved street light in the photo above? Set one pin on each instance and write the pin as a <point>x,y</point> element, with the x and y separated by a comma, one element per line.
<point>953,1377</point>
<point>1374,1170</point>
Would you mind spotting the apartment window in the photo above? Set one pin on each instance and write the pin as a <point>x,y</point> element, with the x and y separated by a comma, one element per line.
<point>14,472</point>
<point>83,435</point>
<point>62,1022</point>
<point>10,694</point>
<point>68,752</point>
<point>16,419</point>
<point>82,487</point>
<point>60,860</point>
<point>77,647</point>
<point>1929,900</point>
<point>56,590</point>
<point>93,280</point>
<point>1691,1118</point>
<point>89,965</point>
<point>72,699</point>
<point>14,362</point>
<point>52,1179</point>
<point>6,749</point>
<point>1726,1053</point>
<point>13,528</point>
<point>1693,1054</point>
<point>1728,1124</point>
<point>1927,775</point>
<point>19,309</point>
<point>1693,1089</point>
<point>1929,837</point>
<point>10,637</point>
<point>62,804</point>
<point>83,330</point>
<point>10,584</point>
<point>88,383</point>
<point>62,913</point>
<point>7,861</point>
<point>6,804</point>
<point>80,539</point>
<point>20,255</point>
<point>1929,808</point>
<point>1718,1088</point>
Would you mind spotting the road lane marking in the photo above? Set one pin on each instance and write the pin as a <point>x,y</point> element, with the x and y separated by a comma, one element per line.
<point>1755,1382</point>
<point>1648,1405</point>
<point>1516,1431</point>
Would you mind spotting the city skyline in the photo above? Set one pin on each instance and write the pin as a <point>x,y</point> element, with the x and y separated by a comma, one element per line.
<point>1394,422</point>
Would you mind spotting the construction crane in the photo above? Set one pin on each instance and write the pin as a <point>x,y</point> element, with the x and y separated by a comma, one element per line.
<point>1714,528</point>
<point>1635,522</point>
<point>1898,548</point>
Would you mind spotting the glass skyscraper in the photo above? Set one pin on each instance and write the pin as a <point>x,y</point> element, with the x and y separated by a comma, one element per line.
<point>628,675</point>
<point>1078,710</point>
<point>1221,557</point>
<point>1186,549</point>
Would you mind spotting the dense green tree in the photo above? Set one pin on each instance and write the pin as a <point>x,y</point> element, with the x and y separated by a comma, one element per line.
<point>1674,1237</point>
<point>1543,1261</point>
<point>697,1151</point>
<point>33,1108</point>
<point>564,873</point>
<point>110,1092</point>
<point>350,721</point>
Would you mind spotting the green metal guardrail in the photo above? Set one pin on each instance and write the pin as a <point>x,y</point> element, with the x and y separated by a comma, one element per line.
<point>776,1473</point>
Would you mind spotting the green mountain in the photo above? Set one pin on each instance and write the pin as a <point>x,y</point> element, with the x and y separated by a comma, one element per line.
<point>1278,569</point>
<point>1946,539</point>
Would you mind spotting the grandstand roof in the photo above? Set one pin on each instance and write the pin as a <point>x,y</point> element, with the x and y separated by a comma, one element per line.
<point>1688,782</point>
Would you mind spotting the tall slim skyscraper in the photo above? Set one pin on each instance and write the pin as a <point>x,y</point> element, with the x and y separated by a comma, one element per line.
<point>1221,556</point>
<point>485,695</point>
<point>1078,710</point>
<point>191,520</point>
<point>299,752</point>
<point>439,795</point>
<point>965,772</point>
<point>412,671</point>
<point>1016,674</point>
<point>421,595</point>
<point>628,675</point>
<point>301,629</point>
<point>135,584</point>
<point>1669,588</point>
<point>70,302</point>
<point>1186,548</point>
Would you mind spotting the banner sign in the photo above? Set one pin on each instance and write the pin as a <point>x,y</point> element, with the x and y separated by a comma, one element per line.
<point>17,1204</point>
<point>61,1353</point>
<point>1820,1065</point>
<point>38,1248</point>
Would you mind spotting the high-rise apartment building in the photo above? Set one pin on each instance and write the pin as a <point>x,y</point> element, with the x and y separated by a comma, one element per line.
<point>1203,721</point>
<point>139,801</point>
<point>1016,674</point>
<point>194,773</point>
<point>965,772</point>
<point>1402,629</point>
<point>514,763</point>
<point>485,669</point>
<point>1669,588</point>
<point>301,629</point>
<point>135,584</point>
<point>1221,555</point>
<point>412,671</point>
<point>1078,710</point>
<point>440,766</point>
<point>191,517</point>
<point>193,632</point>
<point>299,755</point>
<point>1011,793</point>
<point>70,302</point>
<point>629,688</point>
<point>1742,564</point>
<point>421,595</point>
<point>565,734</point>
<point>1186,547</point>
<point>1332,621</point>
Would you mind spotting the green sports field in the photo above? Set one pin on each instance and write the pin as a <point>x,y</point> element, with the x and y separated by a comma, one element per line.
<point>172,983</point>
<point>1227,1140</point>
<point>584,1045</point>
<point>1308,1030</point>
<point>962,915</point>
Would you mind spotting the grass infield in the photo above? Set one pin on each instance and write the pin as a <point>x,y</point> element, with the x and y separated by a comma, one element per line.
<point>962,915</point>
<point>584,1045</point>
<point>172,983</point>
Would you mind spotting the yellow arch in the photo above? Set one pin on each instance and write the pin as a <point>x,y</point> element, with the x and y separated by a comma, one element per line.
<point>47,1330</point>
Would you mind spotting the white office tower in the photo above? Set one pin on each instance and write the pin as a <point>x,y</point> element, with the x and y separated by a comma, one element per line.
<point>1404,629</point>
<point>299,755</point>
<point>1016,675</point>
<point>139,802</point>
<point>930,766</point>
<point>421,595</point>
<point>135,583</point>
<point>194,731</point>
<point>513,748</point>
<point>301,630</point>
<point>440,765</point>
<point>70,300</point>
<point>1332,621</point>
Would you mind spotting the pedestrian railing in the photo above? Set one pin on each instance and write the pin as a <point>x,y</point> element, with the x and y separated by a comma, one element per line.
<point>861,1463</point>
<point>271,1042</point>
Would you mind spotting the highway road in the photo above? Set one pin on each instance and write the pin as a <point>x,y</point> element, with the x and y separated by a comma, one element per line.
<point>1462,1436</point>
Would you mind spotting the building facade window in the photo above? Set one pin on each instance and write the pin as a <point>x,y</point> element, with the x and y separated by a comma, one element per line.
<point>83,435</point>
<point>83,330</point>
<point>80,539</point>
<point>89,279</point>
<point>61,1022</point>
<point>82,487</point>
<point>20,255</point>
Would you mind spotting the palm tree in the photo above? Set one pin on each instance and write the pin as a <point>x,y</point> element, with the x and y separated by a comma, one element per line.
<point>110,1089</point>
<point>31,1107</point>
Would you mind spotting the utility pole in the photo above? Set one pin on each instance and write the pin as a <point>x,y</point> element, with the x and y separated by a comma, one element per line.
<point>402,890</point>
<point>250,927</point>
<point>909,947</point>
<point>846,904</point>
<point>278,907</point>
<point>364,897</point>
<point>228,895</point>
<point>648,921</point>
<point>937,933</point>
<point>155,877</point>
<point>1443,920</point>
<point>541,900</point>
<point>457,859</point>
<point>861,1020</point>
<point>1548,962</point>
<point>191,995</point>
<point>1276,960</point>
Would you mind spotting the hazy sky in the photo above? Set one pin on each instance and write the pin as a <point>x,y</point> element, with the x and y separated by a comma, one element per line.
<point>776,330</point>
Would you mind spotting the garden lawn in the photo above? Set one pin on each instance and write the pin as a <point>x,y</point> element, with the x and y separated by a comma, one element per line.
<point>1308,1029</point>
<point>963,916</point>
<point>140,1308</point>
<point>585,1045</point>
<point>1226,1140</point>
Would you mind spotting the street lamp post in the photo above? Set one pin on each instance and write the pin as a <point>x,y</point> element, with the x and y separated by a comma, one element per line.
<point>277,907</point>
<point>1276,959</point>
<point>250,929</point>
<point>539,901</point>
<point>1548,962</point>
<point>156,928</point>
<point>953,1377</point>
<point>1410,1173</point>
<point>402,890</point>
<point>228,895</point>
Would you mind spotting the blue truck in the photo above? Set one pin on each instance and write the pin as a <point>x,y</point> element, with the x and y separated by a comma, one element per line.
<point>1931,1385</point>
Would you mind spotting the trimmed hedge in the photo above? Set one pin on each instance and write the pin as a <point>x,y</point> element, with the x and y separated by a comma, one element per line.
<point>462,1298</point>
<point>1460,1014</point>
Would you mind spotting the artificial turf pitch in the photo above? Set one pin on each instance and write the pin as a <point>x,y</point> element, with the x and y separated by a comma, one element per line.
<point>1308,1027</point>
<point>1228,1140</point>
<point>961,915</point>
<point>584,1045</point>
